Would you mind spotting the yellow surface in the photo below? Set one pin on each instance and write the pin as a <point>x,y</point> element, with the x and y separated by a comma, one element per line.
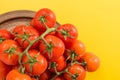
<point>98,23</point>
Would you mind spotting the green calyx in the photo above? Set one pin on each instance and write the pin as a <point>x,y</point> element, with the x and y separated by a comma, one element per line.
<point>24,36</point>
<point>43,19</point>
<point>75,76</point>
<point>49,49</point>
<point>1,39</point>
<point>10,51</point>
<point>54,66</point>
<point>84,63</point>
<point>65,33</point>
<point>36,77</point>
<point>32,61</point>
<point>72,55</point>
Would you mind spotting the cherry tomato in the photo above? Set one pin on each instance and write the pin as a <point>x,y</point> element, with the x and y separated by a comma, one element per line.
<point>37,65</point>
<point>77,50</point>
<point>33,78</point>
<point>60,78</point>
<point>45,15</point>
<point>24,34</point>
<point>76,72</point>
<point>68,33</point>
<point>4,69</point>
<point>16,67</point>
<point>92,61</point>
<point>54,49</point>
<point>45,76</point>
<point>4,34</point>
<point>60,64</point>
<point>18,28</point>
<point>9,52</point>
<point>15,75</point>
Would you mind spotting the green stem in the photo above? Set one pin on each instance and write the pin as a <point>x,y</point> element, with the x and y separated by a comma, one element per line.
<point>72,58</point>
<point>32,42</point>
<point>45,25</point>
<point>45,41</point>
<point>58,73</point>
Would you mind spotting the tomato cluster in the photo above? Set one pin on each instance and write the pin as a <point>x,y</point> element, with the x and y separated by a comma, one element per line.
<point>42,51</point>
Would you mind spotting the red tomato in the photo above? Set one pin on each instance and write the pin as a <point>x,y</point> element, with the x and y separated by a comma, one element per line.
<point>54,50</point>
<point>16,67</point>
<point>15,75</point>
<point>68,33</point>
<point>92,61</point>
<point>33,78</point>
<point>18,29</point>
<point>78,49</point>
<point>60,64</point>
<point>45,76</point>
<point>77,71</point>
<point>39,63</point>
<point>31,23</point>
<point>23,33</point>
<point>47,16</point>
<point>4,69</point>
<point>9,52</point>
<point>4,34</point>
<point>60,78</point>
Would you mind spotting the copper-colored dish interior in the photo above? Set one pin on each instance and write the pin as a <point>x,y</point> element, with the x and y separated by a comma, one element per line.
<point>14,18</point>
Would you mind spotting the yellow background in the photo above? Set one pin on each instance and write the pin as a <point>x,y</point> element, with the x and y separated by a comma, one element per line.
<point>98,23</point>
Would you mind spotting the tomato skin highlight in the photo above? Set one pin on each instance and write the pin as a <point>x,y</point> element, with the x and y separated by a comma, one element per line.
<point>38,67</point>
<point>56,50</point>
<point>75,69</point>
<point>92,61</point>
<point>4,69</point>
<point>22,32</point>
<point>49,18</point>
<point>9,58</point>
<point>67,33</point>
<point>15,75</point>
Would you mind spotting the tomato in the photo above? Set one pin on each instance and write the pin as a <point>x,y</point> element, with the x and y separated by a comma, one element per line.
<point>45,76</point>
<point>38,62</point>
<point>18,29</point>
<point>77,49</point>
<point>4,69</point>
<point>68,33</point>
<point>54,49</point>
<point>16,67</point>
<point>60,78</point>
<point>77,72</point>
<point>24,34</point>
<point>31,23</point>
<point>92,61</point>
<point>45,15</point>
<point>60,64</point>
<point>33,78</point>
<point>15,75</point>
<point>4,34</point>
<point>9,52</point>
